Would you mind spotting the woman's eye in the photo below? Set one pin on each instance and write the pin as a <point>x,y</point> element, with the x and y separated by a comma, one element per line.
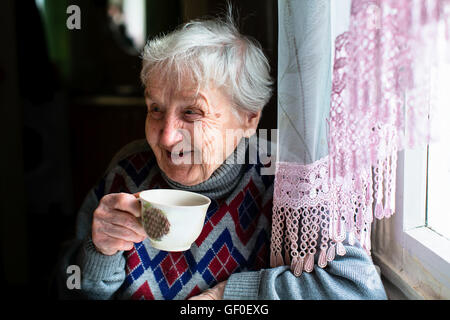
<point>191,114</point>
<point>155,111</point>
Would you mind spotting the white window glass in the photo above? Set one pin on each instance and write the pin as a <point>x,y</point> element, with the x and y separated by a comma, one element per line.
<point>438,196</point>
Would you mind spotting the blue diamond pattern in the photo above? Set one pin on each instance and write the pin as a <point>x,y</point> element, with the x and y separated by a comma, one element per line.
<point>211,210</point>
<point>247,210</point>
<point>100,189</point>
<point>261,240</point>
<point>137,177</point>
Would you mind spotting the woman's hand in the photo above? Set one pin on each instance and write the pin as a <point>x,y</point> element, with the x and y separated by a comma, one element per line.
<point>115,223</point>
<point>214,293</point>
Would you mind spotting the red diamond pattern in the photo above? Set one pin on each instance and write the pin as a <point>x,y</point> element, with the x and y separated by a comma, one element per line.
<point>195,292</point>
<point>138,161</point>
<point>245,235</point>
<point>174,265</point>
<point>213,221</point>
<point>223,264</point>
<point>222,275</point>
<point>267,211</point>
<point>223,254</point>
<point>261,258</point>
<point>132,260</point>
<point>215,265</point>
<point>143,293</point>
<point>118,185</point>
<point>207,228</point>
<point>231,265</point>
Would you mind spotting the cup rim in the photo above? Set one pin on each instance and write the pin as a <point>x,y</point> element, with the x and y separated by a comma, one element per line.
<point>208,200</point>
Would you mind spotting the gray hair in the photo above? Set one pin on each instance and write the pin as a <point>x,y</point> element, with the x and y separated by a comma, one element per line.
<point>212,50</point>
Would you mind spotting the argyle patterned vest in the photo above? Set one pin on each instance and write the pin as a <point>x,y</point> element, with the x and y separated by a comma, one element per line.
<point>235,236</point>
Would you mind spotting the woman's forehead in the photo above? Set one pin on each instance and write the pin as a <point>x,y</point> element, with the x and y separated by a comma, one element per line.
<point>185,90</point>
<point>163,92</point>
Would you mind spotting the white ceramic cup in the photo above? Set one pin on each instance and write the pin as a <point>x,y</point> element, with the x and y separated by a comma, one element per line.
<point>186,212</point>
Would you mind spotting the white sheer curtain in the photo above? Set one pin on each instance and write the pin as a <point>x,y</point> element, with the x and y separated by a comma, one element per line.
<point>300,227</point>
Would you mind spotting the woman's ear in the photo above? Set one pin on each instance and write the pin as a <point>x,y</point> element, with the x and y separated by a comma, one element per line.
<point>251,121</point>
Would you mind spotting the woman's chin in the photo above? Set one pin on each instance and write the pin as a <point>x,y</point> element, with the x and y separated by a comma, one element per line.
<point>186,175</point>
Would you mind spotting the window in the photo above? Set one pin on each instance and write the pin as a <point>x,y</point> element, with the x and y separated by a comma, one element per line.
<point>438,186</point>
<point>426,188</point>
<point>412,248</point>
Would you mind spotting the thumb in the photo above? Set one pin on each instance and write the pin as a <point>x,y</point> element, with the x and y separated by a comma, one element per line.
<point>136,195</point>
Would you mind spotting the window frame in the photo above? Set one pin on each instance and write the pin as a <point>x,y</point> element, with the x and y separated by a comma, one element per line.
<point>424,271</point>
<point>430,247</point>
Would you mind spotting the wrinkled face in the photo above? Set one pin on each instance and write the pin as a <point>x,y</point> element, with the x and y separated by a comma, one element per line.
<point>192,135</point>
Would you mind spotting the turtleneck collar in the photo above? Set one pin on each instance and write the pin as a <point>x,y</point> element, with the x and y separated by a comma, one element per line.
<point>223,180</point>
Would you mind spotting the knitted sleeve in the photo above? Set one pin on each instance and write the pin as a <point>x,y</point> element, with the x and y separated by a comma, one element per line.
<point>101,275</point>
<point>349,277</point>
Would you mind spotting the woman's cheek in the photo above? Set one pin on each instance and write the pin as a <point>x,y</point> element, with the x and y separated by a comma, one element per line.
<point>147,129</point>
<point>212,144</point>
<point>151,132</point>
<point>148,134</point>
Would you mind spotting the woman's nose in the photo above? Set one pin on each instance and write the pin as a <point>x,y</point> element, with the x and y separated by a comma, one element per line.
<point>170,134</point>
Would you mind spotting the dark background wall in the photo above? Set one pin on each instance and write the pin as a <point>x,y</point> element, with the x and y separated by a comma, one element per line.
<point>70,99</point>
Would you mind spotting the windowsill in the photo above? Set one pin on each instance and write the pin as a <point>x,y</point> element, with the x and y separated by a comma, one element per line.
<point>430,248</point>
<point>423,272</point>
<point>392,291</point>
<point>395,283</point>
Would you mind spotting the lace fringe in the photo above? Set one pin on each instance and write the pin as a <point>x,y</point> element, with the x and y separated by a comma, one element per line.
<point>323,212</point>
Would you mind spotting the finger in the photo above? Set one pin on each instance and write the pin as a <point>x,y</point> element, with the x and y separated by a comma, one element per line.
<point>122,233</point>
<point>110,246</point>
<point>199,297</point>
<point>126,220</point>
<point>124,202</point>
<point>126,246</point>
<point>137,194</point>
<point>214,293</point>
<point>203,296</point>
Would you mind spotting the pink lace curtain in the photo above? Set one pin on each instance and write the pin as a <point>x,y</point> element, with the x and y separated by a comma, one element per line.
<point>381,101</point>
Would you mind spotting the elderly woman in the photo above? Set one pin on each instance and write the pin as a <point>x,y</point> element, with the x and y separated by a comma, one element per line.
<point>201,81</point>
